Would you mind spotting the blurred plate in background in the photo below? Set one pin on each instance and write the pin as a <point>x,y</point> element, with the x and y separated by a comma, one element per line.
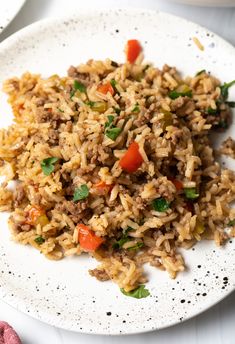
<point>8,11</point>
<point>216,3</point>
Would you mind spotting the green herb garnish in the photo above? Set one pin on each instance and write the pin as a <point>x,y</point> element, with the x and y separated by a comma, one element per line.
<point>136,246</point>
<point>113,83</point>
<point>60,110</point>
<point>222,124</point>
<point>48,165</point>
<point>160,204</point>
<point>90,103</point>
<point>109,122</point>
<point>117,110</point>
<point>175,94</point>
<point>191,193</point>
<point>136,108</point>
<point>231,223</point>
<point>230,104</point>
<point>79,86</point>
<point>224,89</point>
<point>72,94</point>
<point>200,72</point>
<point>113,133</point>
<point>146,67</point>
<point>39,240</point>
<point>81,193</point>
<point>212,111</point>
<point>138,293</point>
<point>119,243</point>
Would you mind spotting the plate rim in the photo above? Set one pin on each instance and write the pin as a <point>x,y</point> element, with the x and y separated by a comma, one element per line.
<point>38,25</point>
<point>13,16</point>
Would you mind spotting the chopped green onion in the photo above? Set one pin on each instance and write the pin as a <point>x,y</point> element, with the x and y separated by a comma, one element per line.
<point>113,133</point>
<point>175,94</point>
<point>136,108</point>
<point>79,86</point>
<point>200,72</point>
<point>191,193</point>
<point>160,204</point>
<point>81,193</point>
<point>224,89</point>
<point>137,293</point>
<point>39,240</point>
<point>47,165</point>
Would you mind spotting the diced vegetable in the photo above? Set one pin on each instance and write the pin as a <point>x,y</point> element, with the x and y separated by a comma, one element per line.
<point>136,246</point>
<point>132,159</point>
<point>100,107</point>
<point>167,120</point>
<point>191,193</point>
<point>178,184</point>
<point>181,91</point>
<point>87,238</point>
<point>138,293</point>
<point>103,187</point>
<point>160,204</point>
<point>33,213</point>
<point>81,193</point>
<point>39,240</point>
<point>231,223</point>
<point>136,108</point>
<point>48,165</point>
<point>79,86</point>
<point>105,88</point>
<point>199,228</point>
<point>200,72</point>
<point>133,50</point>
<point>225,88</point>
<point>43,220</point>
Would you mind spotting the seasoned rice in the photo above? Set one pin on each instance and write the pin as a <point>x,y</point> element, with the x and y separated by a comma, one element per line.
<point>52,119</point>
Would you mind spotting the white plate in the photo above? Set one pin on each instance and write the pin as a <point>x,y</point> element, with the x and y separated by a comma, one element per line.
<point>217,3</point>
<point>8,11</point>
<point>62,293</point>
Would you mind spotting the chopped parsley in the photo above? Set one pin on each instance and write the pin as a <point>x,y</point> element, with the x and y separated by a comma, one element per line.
<point>72,94</point>
<point>212,111</point>
<point>175,94</point>
<point>119,243</point>
<point>81,193</point>
<point>224,89</point>
<point>230,104</point>
<point>39,240</point>
<point>117,110</point>
<point>222,124</point>
<point>200,72</point>
<point>231,223</point>
<point>48,165</point>
<point>138,293</point>
<point>136,108</point>
<point>79,86</point>
<point>113,83</point>
<point>111,131</point>
<point>90,103</point>
<point>160,204</point>
<point>191,193</point>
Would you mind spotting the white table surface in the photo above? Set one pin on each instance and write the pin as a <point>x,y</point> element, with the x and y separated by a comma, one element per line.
<point>217,325</point>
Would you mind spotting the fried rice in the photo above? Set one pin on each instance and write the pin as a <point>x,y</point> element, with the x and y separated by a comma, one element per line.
<point>65,152</point>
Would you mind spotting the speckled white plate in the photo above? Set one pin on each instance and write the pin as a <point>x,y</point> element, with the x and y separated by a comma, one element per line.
<point>8,11</point>
<point>62,293</point>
